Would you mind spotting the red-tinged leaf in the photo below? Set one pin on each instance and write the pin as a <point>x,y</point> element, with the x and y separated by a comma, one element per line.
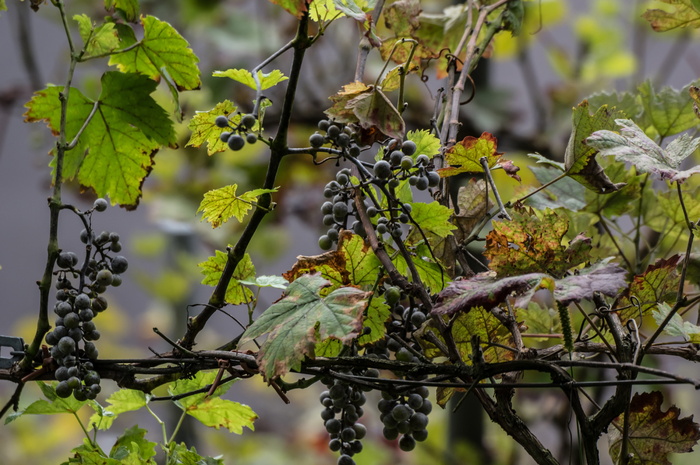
<point>530,243</point>
<point>295,7</point>
<point>485,290</point>
<point>352,264</point>
<point>659,283</point>
<point>510,169</point>
<point>653,433</point>
<point>685,14</point>
<point>301,319</point>
<point>465,155</point>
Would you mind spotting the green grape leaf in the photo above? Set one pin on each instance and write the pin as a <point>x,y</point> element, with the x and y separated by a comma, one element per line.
<point>324,10</point>
<point>179,454</point>
<point>669,111</point>
<point>52,406</point>
<point>392,79</point>
<point>204,128</point>
<point>676,326</point>
<point>432,218</point>
<point>295,7</point>
<point>653,433</point>
<point>340,111</point>
<point>620,201</point>
<point>218,413</point>
<point>133,447</point>
<point>487,291</point>
<point>625,102</point>
<point>87,455</point>
<point>426,143</point>
<point>431,274</point>
<point>200,380</point>
<point>162,47</point>
<point>565,193</point>
<point>244,76</point>
<point>3,7</point>
<point>538,320</point>
<point>352,264</point>
<point>466,154</point>
<point>546,161</point>
<point>236,293</point>
<point>98,40</point>
<point>659,283</point>
<point>684,14</point>
<point>277,282</point>
<point>124,400</point>
<point>533,243</point>
<point>513,17</point>
<point>373,109</point>
<point>116,148</point>
<point>378,313</point>
<point>130,8</point>
<point>301,319</point>
<point>633,146</point>
<point>220,205</point>
<point>579,158</point>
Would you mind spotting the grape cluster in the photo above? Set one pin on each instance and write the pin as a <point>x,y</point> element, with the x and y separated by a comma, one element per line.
<point>405,415</point>
<point>337,135</point>
<point>240,133</point>
<point>343,408</point>
<point>76,306</point>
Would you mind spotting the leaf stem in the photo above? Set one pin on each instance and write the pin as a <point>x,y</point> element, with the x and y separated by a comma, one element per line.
<point>487,171</point>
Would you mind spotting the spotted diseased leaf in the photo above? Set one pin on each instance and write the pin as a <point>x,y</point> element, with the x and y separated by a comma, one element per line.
<point>676,326</point>
<point>115,151</point>
<point>97,40</point>
<point>204,128</point>
<point>653,433</point>
<point>633,146</point>
<point>295,7</point>
<point>694,92</point>
<point>531,243</point>
<point>220,205</point>
<point>465,155</point>
<point>487,291</point>
<point>340,110</point>
<point>162,49</point>
<point>684,14</point>
<point>352,264</point>
<point>236,292</point>
<point>579,158</point>
<point>130,8</point>
<point>669,111</point>
<point>373,110</point>
<point>659,283</point>
<point>244,76</point>
<point>301,319</point>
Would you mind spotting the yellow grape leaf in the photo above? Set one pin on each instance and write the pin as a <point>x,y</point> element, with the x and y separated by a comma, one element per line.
<point>220,205</point>
<point>244,76</point>
<point>204,128</point>
<point>464,156</point>
<point>236,292</point>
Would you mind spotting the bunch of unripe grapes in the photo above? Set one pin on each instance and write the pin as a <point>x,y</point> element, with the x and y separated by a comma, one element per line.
<point>240,134</point>
<point>343,408</point>
<point>338,135</point>
<point>399,164</point>
<point>78,301</point>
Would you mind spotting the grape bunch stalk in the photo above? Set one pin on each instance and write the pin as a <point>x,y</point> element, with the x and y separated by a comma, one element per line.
<point>78,301</point>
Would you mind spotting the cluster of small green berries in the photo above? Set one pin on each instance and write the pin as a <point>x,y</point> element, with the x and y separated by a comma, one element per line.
<point>240,134</point>
<point>343,408</point>
<point>71,340</point>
